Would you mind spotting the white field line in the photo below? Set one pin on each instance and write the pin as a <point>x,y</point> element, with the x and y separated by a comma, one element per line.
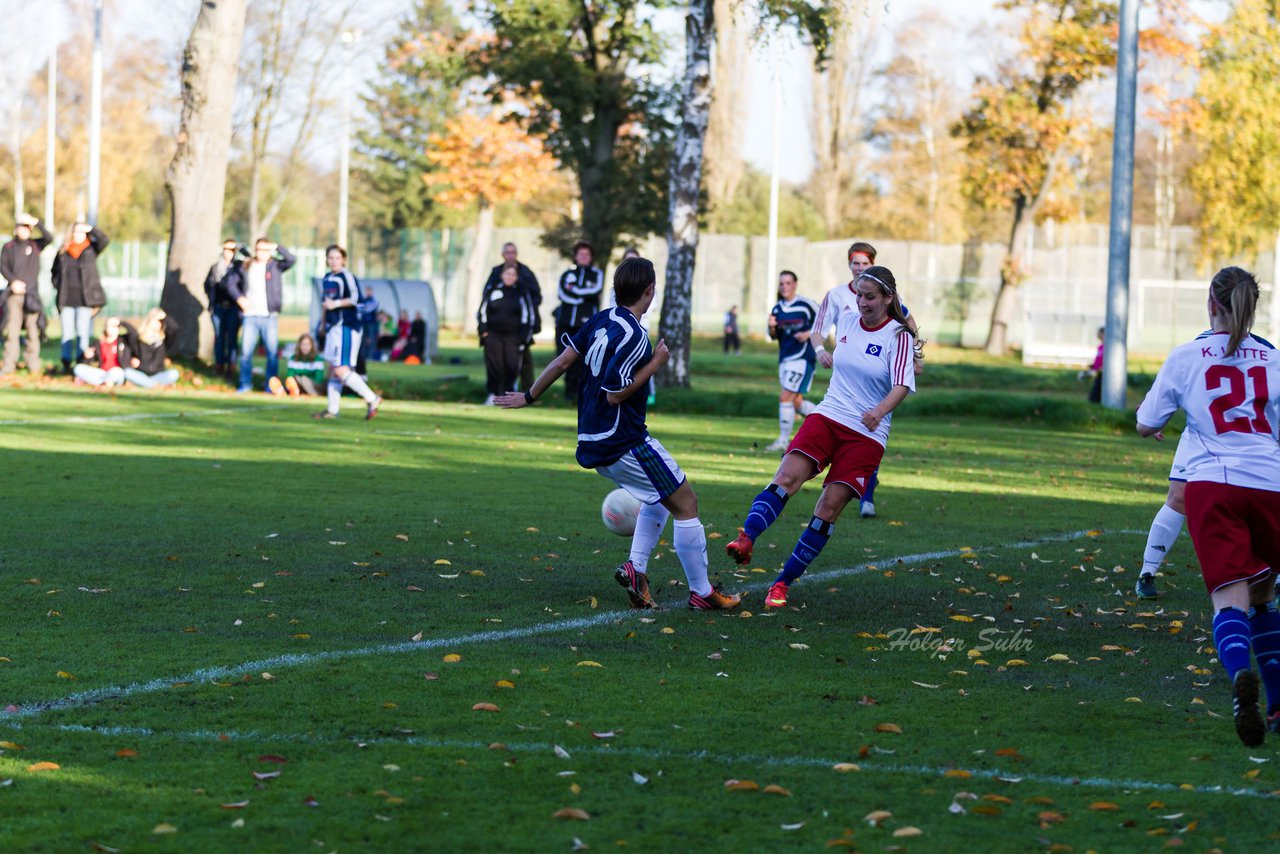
<point>220,673</point>
<point>138,416</point>
<point>659,755</point>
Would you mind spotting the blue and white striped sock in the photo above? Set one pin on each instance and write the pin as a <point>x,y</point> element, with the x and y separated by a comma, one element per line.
<point>1264,622</point>
<point>807,549</point>
<point>1231,636</point>
<point>764,510</point>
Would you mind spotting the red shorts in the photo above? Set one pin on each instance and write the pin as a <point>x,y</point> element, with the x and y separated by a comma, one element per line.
<point>1235,530</point>
<point>852,456</point>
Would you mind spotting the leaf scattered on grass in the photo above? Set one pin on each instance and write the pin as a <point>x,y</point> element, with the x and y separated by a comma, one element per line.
<point>908,831</point>
<point>43,766</point>
<point>894,728</point>
<point>126,753</point>
<point>164,827</point>
<point>742,785</point>
<point>484,707</point>
<point>638,778</point>
<point>590,664</point>
<point>265,775</point>
<point>402,537</point>
<point>846,767</point>
<point>452,658</point>
<point>560,751</point>
<point>775,789</point>
<point>874,817</point>
<point>238,805</point>
<point>571,814</point>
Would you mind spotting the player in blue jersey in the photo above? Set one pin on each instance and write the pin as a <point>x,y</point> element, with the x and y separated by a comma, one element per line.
<point>343,332</point>
<point>791,324</point>
<point>617,363</point>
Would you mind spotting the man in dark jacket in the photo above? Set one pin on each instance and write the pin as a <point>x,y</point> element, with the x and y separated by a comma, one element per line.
<point>20,267</point>
<point>580,289</point>
<point>504,320</point>
<point>528,284</point>
<point>79,288</point>
<point>223,311</point>
<point>257,286</point>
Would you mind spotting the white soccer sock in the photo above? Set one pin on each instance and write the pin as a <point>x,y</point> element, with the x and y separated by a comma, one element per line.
<point>691,548</point>
<point>356,383</point>
<point>335,395</point>
<point>786,420</point>
<point>807,408</point>
<point>1165,528</point>
<point>649,525</point>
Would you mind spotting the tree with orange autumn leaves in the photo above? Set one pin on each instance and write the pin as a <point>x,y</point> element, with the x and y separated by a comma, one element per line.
<point>484,161</point>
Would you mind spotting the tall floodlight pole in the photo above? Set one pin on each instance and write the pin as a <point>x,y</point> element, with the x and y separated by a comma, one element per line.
<point>95,116</point>
<point>344,156</point>
<point>1115,369</point>
<point>50,134</point>
<point>772,262</point>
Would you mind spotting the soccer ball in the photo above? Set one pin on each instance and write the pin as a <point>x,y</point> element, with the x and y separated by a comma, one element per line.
<point>619,512</point>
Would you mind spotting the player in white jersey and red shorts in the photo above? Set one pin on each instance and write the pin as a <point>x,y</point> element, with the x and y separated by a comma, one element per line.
<point>873,373</point>
<point>1223,382</point>
<point>842,300</point>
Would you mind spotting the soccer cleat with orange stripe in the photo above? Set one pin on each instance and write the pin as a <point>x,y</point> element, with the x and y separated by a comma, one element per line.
<point>740,549</point>
<point>777,595</point>
<point>636,584</point>
<point>716,600</point>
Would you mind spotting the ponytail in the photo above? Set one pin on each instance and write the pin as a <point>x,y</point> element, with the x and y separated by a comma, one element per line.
<point>883,277</point>
<point>1234,291</point>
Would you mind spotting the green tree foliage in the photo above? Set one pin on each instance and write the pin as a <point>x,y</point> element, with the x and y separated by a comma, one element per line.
<point>1017,130</point>
<point>416,93</point>
<point>1237,180</point>
<point>581,71</point>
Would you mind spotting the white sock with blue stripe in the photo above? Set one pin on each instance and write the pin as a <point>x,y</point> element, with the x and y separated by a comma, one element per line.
<point>356,383</point>
<point>649,525</point>
<point>691,548</point>
<point>786,420</point>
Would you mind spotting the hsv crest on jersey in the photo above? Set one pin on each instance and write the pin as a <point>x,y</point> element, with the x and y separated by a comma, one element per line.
<point>872,349</point>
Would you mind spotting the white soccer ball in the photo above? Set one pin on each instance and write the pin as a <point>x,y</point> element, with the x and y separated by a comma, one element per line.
<point>619,512</point>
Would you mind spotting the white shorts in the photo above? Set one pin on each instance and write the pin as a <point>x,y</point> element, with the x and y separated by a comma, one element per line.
<point>1182,456</point>
<point>342,346</point>
<point>795,375</point>
<point>647,471</point>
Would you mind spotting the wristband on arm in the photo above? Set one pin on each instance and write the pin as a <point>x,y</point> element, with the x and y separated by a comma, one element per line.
<point>529,398</point>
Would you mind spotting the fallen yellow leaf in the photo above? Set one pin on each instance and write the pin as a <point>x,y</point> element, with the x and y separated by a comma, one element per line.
<point>889,728</point>
<point>164,827</point>
<point>775,789</point>
<point>961,618</point>
<point>908,831</point>
<point>504,683</point>
<point>484,707</point>
<point>1058,656</point>
<point>43,766</point>
<point>1015,662</point>
<point>846,767</point>
<point>876,816</point>
<point>957,772</point>
<point>1103,806</point>
<point>741,785</point>
<point>62,674</point>
<point>404,537</point>
<point>442,562</point>
<point>590,664</point>
<point>571,814</point>
<point>9,745</point>
<point>452,658</point>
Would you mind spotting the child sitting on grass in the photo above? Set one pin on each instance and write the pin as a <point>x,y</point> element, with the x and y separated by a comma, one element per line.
<point>304,372</point>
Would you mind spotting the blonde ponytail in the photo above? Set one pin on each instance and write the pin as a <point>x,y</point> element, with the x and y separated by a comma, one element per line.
<point>1235,291</point>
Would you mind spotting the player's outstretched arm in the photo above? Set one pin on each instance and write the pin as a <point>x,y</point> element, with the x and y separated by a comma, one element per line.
<point>546,379</point>
<point>642,377</point>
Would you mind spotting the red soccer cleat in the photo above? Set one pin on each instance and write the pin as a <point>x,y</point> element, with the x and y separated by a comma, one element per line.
<point>777,595</point>
<point>740,549</point>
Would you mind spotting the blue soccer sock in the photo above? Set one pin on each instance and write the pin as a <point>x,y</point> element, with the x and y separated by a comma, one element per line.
<point>1264,622</point>
<point>1231,636</point>
<point>869,494</point>
<point>807,549</point>
<point>764,510</point>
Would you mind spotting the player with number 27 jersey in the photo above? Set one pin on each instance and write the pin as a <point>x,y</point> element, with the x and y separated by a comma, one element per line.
<point>1233,411</point>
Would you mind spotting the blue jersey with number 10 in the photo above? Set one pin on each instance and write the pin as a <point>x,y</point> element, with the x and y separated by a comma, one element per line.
<point>612,346</point>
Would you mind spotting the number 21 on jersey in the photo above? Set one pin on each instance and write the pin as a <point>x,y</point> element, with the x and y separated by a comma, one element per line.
<point>1237,382</point>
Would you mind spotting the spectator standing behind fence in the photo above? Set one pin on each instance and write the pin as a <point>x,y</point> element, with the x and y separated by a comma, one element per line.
<point>367,308</point>
<point>20,267</point>
<point>580,289</point>
<point>504,320</point>
<point>223,311</point>
<point>731,339</point>
<point>257,286</point>
<point>80,293</point>
<point>528,284</point>
<point>149,367</point>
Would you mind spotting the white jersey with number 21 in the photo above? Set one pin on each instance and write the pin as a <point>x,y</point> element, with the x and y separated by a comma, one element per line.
<point>1232,405</point>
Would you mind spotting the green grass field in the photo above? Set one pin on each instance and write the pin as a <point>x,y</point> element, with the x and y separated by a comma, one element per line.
<point>228,626</point>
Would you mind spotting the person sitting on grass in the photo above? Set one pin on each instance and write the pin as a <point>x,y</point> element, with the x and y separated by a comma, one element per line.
<point>304,372</point>
<point>150,366</point>
<point>613,439</point>
<point>116,348</point>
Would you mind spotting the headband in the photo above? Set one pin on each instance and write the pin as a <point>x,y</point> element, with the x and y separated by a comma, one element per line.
<point>882,282</point>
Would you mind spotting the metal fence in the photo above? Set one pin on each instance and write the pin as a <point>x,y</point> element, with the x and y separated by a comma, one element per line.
<point>950,288</point>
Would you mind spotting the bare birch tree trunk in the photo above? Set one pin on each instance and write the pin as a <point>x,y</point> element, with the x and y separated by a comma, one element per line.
<point>477,266</point>
<point>197,176</point>
<point>676,325</point>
